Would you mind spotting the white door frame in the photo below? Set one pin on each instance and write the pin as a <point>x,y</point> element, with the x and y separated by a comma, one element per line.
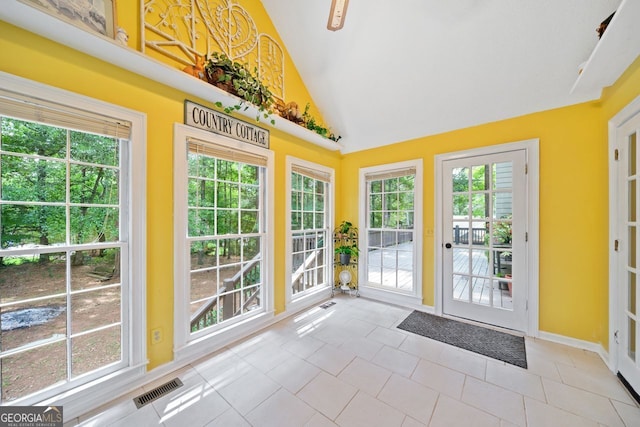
<point>615,123</point>
<point>531,146</point>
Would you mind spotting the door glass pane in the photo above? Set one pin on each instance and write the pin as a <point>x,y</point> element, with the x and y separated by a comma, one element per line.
<point>480,263</point>
<point>479,233</point>
<point>632,200</point>
<point>502,205</point>
<point>631,351</point>
<point>479,178</point>
<point>482,291</point>
<point>502,175</point>
<point>632,154</point>
<point>460,287</point>
<point>460,178</point>
<point>480,206</point>
<point>632,293</point>
<point>461,206</point>
<point>632,246</point>
<point>461,260</point>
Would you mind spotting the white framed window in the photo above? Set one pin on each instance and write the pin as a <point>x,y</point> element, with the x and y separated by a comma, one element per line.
<point>72,211</point>
<point>309,219</point>
<point>222,230</point>
<point>392,218</point>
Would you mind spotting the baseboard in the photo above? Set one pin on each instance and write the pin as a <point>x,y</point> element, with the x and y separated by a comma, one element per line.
<point>581,344</point>
<point>390,297</point>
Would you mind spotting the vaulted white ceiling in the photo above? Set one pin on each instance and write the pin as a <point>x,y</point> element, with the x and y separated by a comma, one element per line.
<point>404,69</point>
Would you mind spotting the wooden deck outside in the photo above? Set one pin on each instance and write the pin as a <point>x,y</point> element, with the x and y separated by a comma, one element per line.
<point>483,286</point>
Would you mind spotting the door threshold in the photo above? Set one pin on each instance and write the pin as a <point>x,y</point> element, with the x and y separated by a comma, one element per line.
<point>630,389</point>
<point>486,325</point>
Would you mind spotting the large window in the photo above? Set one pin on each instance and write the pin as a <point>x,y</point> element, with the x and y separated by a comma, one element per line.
<point>64,248</point>
<point>310,227</point>
<point>221,233</point>
<point>391,241</point>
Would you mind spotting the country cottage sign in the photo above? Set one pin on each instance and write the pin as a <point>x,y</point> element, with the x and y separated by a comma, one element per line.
<point>214,121</point>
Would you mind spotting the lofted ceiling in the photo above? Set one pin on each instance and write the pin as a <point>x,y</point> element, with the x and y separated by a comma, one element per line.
<point>412,68</point>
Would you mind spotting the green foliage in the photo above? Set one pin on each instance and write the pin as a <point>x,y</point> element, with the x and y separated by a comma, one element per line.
<point>310,123</point>
<point>502,231</point>
<point>238,80</point>
<point>348,249</point>
<point>347,234</point>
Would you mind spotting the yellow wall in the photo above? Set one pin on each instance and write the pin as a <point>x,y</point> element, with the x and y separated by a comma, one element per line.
<point>44,61</point>
<point>573,202</point>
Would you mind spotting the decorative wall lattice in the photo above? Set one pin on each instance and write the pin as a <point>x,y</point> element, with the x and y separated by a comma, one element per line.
<point>182,29</point>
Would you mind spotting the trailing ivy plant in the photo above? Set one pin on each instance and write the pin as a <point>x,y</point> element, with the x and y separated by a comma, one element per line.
<point>236,79</point>
<point>310,123</point>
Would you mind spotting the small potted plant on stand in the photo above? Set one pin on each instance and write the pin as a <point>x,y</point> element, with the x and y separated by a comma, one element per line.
<point>346,252</point>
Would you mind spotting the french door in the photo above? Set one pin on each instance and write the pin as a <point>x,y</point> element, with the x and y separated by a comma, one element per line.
<point>484,208</point>
<point>626,214</point>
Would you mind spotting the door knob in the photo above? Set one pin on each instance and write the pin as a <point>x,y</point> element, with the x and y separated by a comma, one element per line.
<point>447,245</point>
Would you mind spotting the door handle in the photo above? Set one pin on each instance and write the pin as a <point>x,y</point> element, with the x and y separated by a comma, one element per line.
<point>447,245</point>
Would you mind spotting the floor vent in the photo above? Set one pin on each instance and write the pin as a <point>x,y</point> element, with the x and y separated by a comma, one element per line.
<point>327,304</point>
<point>157,393</point>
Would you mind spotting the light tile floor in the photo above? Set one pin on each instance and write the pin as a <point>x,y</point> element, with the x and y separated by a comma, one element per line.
<point>349,365</point>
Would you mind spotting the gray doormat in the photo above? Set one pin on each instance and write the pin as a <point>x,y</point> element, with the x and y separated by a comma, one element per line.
<point>488,342</point>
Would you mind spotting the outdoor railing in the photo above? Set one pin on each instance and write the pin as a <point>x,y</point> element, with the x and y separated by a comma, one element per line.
<point>461,235</point>
<point>231,302</point>
<point>302,275</point>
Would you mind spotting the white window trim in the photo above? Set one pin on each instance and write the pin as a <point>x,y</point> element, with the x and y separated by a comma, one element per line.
<point>186,347</point>
<point>413,299</point>
<point>313,296</point>
<point>79,400</point>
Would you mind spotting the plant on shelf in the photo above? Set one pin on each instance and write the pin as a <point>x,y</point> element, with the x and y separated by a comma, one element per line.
<point>235,78</point>
<point>346,252</point>
<point>310,123</point>
<point>348,247</point>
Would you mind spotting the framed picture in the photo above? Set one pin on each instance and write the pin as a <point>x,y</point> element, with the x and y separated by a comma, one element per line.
<point>97,16</point>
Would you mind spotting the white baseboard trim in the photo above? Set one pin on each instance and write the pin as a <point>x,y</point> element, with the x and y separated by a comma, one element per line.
<point>307,301</point>
<point>389,297</point>
<point>576,343</point>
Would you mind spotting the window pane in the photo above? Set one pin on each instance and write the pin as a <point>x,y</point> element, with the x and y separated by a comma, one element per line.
<point>106,342</point>
<point>22,276</point>
<point>93,309</point>
<point>32,138</point>
<point>89,224</point>
<point>50,359</point>
<point>37,225</point>
<point>95,149</point>
<point>27,323</point>
<point>96,268</point>
<point>33,180</point>
<point>94,185</point>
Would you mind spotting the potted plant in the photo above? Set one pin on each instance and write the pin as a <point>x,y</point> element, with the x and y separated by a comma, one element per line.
<point>346,230</point>
<point>347,243</point>
<point>346,252</point>
<point>235,78</point>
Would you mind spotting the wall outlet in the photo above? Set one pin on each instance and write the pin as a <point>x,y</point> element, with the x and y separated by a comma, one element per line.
<point>156,336</point>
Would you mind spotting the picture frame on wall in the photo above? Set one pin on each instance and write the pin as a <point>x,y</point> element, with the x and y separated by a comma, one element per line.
<point>96,16</point>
